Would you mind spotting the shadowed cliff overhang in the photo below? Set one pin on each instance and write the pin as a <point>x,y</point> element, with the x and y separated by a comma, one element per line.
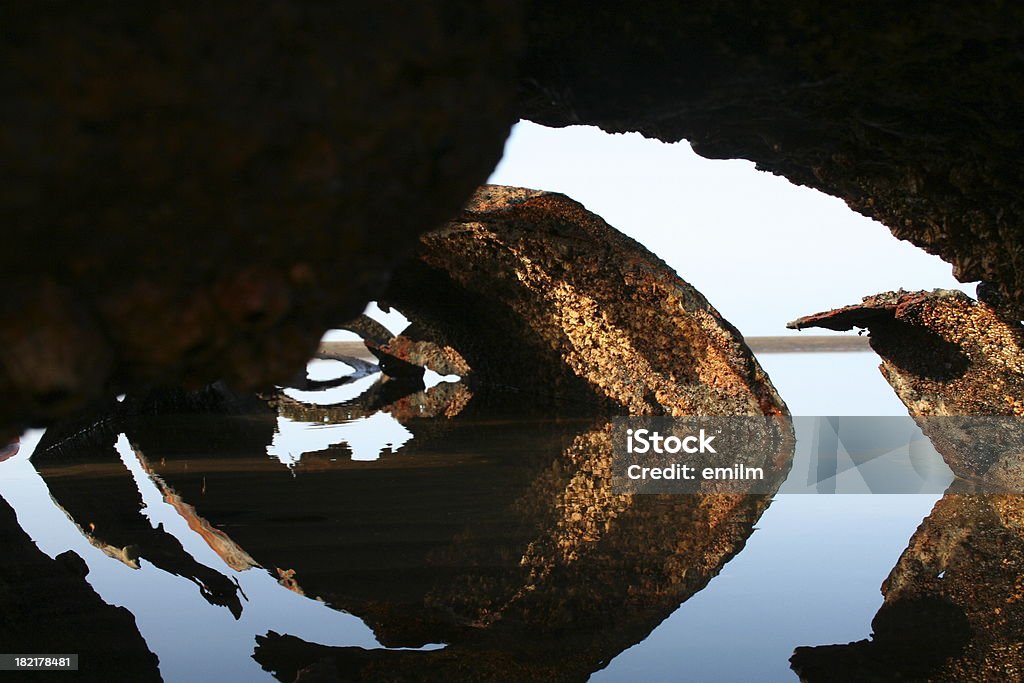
<point>184,203</point>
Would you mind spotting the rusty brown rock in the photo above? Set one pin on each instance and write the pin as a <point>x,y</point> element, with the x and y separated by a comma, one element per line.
<point>952,609</point>
<point>442,359</point>
<point>959,368</point>
<point>543,298</point>
<point>943,352</point>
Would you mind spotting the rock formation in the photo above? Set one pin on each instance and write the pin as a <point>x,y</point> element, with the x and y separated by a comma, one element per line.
<point>543,298</point>
<point>197,193</point>
<point>943,352</point>
<point>952,609</point>
<point>502,537</point>
<point>958,366</point>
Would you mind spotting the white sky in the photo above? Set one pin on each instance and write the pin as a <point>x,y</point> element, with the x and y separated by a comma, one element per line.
<point>762,250</point>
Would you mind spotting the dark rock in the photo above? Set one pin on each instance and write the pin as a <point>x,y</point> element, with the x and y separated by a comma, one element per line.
<point>47,607</point>
<point>196,193</point>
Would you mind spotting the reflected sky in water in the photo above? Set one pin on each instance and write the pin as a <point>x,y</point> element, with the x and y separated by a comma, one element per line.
<point>193,640</point>
<point>809,574</point>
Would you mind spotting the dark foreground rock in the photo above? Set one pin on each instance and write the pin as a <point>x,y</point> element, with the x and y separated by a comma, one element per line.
<point>46,606</point>
<point>199,192</point>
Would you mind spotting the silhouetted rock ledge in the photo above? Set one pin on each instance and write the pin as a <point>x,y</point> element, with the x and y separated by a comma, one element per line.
<point>196,193</point>
<point>47,606</point>
<point>541,297</point>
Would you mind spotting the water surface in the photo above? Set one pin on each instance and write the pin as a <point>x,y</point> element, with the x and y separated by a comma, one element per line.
<point>338,530</point>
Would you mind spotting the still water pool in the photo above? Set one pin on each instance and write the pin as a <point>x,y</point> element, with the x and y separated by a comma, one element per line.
<point>334,532</point>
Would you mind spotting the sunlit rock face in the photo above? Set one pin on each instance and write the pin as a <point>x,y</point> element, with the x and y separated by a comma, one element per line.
<point>958,366</point>
<point>196,193</point>
<point>943,352</point>
<point>952,609</point>
<point>543,298</point>
<point>908,115</point>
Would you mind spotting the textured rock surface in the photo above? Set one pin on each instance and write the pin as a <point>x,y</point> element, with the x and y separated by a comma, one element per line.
<point>198,192</point>
<point>543,298</point>
<point>943,352</point>
<point>952,609</point>
<point>906,112</point>
<point>959,369</point>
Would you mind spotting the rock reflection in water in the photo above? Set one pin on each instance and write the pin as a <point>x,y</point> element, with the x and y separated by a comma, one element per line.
<point>107,510</point>
<point>48,601</point>
<point>954,603</point>
<point>499,537</point>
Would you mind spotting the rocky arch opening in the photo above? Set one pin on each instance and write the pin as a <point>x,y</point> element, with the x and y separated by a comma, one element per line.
<point>762,248</point>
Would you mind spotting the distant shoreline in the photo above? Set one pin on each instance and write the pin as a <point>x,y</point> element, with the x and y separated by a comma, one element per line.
<point>802,343</point>
<point>834,343</point>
